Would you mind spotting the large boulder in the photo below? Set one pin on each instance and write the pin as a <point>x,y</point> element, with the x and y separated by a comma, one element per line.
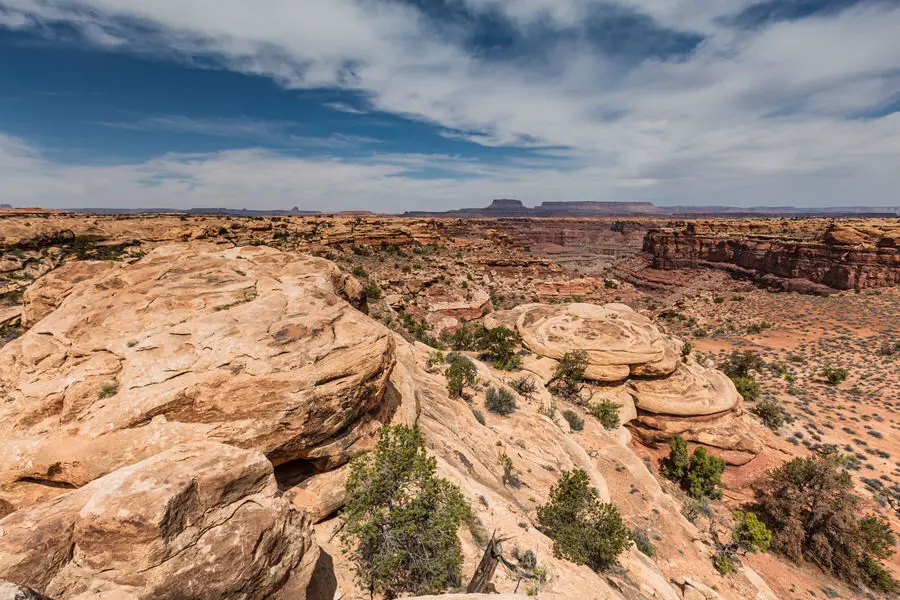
<point>248,346</point>
<point>617,339</point>
<point>690,391</point>
<point>200,521</point>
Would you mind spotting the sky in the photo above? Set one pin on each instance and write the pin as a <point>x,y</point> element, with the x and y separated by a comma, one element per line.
<point>394,105</point>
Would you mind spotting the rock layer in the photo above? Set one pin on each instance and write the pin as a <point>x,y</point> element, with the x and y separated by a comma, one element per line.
<point>200,521</point>
<point>250,346</point>
<point>850,255</point>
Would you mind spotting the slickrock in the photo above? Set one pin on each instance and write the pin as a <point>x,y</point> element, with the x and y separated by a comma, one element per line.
<point>690,391</point>
<point>250,346</point>
<point>201,520</point>
<point>46,294</point>
<point>616,338</point>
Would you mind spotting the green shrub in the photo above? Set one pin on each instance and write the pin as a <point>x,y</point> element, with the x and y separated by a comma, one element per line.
<point>584,530</point>
<point>360,272</point>
<point>373,291</point>
<point>400,521</point>
<point>747,387</point>
<point>814,515</point>
<point>723,563</point>
<point>835,375</point>
<point>499,345</point>
<point>500,401</point>
<point>705,474</point>
<point>575,422</point>
<point>642,542</point>
<point>569,375</point>
<point>700,474</point>
<point>607,413</point>
<point>108,390</point>
<point>750,534</point>
<point>739,364</point>
<point>772,414</point>
<point>461,373</point>
<point>478,416</point>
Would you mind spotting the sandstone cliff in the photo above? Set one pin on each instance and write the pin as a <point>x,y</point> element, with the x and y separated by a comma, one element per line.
<point>850,254</point>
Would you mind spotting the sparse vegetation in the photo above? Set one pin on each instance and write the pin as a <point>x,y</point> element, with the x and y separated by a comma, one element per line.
<point>500,401</point>
<point>461,373</point>
<point>400,520</point>
<point>584,529</point>
<point>699,474</point>
<point>835,375</point>
<point>568,379</point>
<point>574,421</point>
<point>607,412</point>
<point>814,515</point>
<point>524,386</point>
<point>772,414</point>
<point>108,390</point>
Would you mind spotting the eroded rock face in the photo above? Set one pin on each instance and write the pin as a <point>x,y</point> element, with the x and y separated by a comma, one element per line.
<point>692,390</point>
<point>250,346</point>
<point>201,520</point>
<point>46,294</point>
<point>855,254</point>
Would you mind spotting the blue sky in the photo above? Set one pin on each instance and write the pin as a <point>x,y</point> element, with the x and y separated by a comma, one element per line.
<point>393,105</point>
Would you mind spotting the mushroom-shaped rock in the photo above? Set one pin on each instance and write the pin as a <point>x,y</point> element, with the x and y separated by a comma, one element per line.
<point>200,520</point>
<point>614,336</point>
<point>691,390</point>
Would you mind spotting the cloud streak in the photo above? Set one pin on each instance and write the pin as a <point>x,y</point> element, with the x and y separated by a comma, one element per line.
<point>753,115</point>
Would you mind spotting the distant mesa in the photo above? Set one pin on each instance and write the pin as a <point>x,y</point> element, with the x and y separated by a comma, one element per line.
<point>5,206</point>
<point>506,207</point>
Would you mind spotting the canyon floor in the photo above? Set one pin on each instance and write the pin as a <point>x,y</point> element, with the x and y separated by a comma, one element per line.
<point>265,353</point>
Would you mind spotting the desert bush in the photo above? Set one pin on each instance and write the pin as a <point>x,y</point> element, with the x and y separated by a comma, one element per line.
<point>436,358</point>
<point>607,412</point>
<point>772,414</point>
<point>699,474</point>
<point>373,291</point>
<point>108,390</point>
<point>747,387</point>
<point>461,373</point>
<point>509,475</point>
<point>739,364</point>
<point>575,422</point>
<point>499,345</point>
<point>642,541</point>
<point>524,386</point>
<point>478,416</point>
<point>835,375</point>
<point>723,563</point>
<point>686,349</point>
<point>584,529</point>
<point>500,401</point>
<point>400,520</point>
<point>568,378</point>
<point>814,515</point>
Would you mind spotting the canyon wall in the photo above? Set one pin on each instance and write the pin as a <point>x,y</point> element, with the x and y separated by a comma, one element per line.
<point>853,254</point>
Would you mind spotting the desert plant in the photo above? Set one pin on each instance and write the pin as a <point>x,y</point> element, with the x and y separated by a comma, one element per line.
<point>500,401</point>
<point>524,386</point>
<point>835,375</point>
<point>814,515</point>
<point>108,390</point>
<point>607,412</point>
<point>499,346</point>
<point>373,291</point>
<point>400,520</point>
<point>772,414</point>
<point>461,373</point>
<point>699,473</point>
<point>642,541</point>
<point>739,364</point>
<point>568,378</point>
<point>747,387</point>
<point>575,422</point>
<point>584,529</point>
<point>509,475</point>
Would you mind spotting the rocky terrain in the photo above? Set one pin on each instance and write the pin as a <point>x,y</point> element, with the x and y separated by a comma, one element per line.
<point>181,397</point>
<point>850,255</point>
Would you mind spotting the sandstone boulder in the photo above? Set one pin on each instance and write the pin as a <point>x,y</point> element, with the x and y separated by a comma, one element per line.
<point>201,521</point>
<point>248,346</point>
<point>691,390</point>
<point>615,338</point>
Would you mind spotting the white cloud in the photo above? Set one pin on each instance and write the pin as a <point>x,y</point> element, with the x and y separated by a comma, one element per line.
<point>754,117</point>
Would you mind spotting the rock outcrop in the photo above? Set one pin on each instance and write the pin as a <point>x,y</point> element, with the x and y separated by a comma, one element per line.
<point>660,394</point>
<point>201,520</point>
<point>852,254</point>
<point>252,347</point>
